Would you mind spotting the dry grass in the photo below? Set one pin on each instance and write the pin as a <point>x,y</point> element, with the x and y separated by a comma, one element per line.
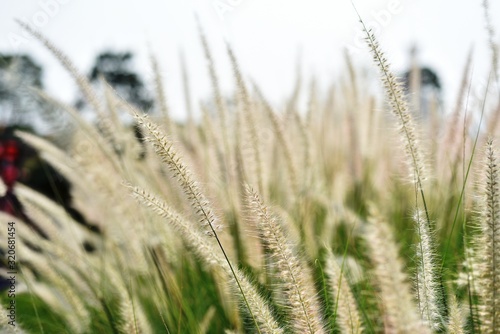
<point>265,221</point>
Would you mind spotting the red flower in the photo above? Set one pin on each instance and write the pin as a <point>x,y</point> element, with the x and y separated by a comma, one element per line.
<point>9,174</point>
<point>10,150</point>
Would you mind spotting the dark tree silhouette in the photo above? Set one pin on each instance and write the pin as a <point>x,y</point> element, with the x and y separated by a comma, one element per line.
<point>428,78</point>
<point>429,90</point>
<point>19,104</point>
<point>116,69</point>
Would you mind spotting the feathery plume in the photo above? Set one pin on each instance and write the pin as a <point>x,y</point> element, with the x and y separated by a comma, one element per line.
<point>187,91</point>
<point>256,305</point>
<point>456,323</point>
<point>6,327</point>
<point>451,139</point>
<point>165,150</point>
<point>491,39</point>
<point>283,142</point>
<point>80,79</point>
<point>400,109</point>
<point>348,317</point>
<point>219,101</point>
<point>92,133</point>
<point>133,319</point>
<point>489,247</point>
<point>395,293</point>
<point>249,115</point>
<point>160,94</point>
<point>300,292</point>
<point>428,288</point>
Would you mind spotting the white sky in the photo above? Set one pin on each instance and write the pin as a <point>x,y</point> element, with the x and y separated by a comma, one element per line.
<point>266,36</point>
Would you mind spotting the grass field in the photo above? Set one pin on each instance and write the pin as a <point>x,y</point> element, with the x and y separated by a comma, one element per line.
<point>354,215</point>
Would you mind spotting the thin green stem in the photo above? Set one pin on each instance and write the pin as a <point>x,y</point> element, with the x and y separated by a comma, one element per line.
<point>469,166</point>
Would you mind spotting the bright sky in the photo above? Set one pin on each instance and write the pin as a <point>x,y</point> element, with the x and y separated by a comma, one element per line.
<point>267,36</point>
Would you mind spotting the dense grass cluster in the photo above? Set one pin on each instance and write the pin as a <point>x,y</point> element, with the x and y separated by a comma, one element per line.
<point>257,220</point>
